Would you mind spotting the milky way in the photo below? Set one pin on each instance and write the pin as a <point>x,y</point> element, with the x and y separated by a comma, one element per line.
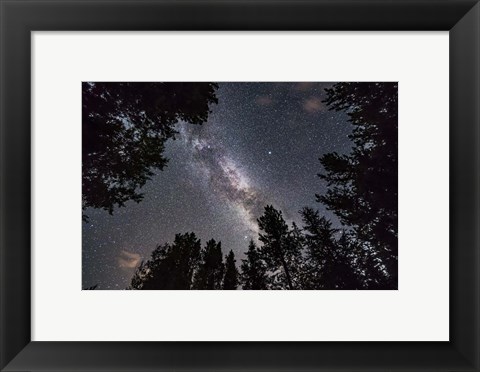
<point>224,177</point>
<point>260,146</point>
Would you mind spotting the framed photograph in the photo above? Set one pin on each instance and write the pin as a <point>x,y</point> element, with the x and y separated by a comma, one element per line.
<point>219,185</point>
<point>242,159</point>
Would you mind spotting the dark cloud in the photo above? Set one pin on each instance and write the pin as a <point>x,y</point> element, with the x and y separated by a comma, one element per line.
<point>313,105</point>
<point>264,101</point>
<point>304,86</point>
<point>128,260</point>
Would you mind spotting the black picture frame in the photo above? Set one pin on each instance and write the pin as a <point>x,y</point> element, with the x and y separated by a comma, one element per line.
<point>18,18</point>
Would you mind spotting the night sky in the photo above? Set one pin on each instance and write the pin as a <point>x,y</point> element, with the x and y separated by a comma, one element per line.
<point>260,146</point>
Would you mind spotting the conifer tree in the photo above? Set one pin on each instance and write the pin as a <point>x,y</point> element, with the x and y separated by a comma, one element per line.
<point>230,280</point>
<point>363,185</point>
<point>278,249</point>
<point>171,266</point>
<point>124,129</point>
<point>329,262</point>
<point>253,269</point>
<point>211,268</point>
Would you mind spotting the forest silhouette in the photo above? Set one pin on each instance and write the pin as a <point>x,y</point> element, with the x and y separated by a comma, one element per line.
<point>359,252</point>
<point>124,130</point>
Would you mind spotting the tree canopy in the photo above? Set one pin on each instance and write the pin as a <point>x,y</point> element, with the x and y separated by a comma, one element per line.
<point>253,269</point>
<point>210,271</point>
<point>363,185</point>
<point>230,280</point>
<point>171,265</point>
<point>124,130</point>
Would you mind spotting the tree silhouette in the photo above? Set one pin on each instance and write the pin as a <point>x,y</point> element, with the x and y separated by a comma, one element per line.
<point>230,280</point>
<point>350,274</point>
<point>210,269</point>
<point>93,287</point>
<point>171,266</point>
<point>141,276</point>
<point>279,248</point>
<point>329,263</point>
<point>253,269</point>
<point>363,185</point>
<point>320,245</point>
<point>124,129</point>
<point>295,259</point>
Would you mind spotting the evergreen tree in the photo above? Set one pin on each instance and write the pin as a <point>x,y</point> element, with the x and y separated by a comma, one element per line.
<point>279,250</point>
<point>141,276</point>
<point>330,263</point>
<point>363,185</point>
<point>124,130</point>
<point>253,269</point>
<point>230,280</point>
<point>348,256</point>
<point>210,269</point>
<point>319,244</point>
<point>171,266</point>
<point>295,260</point>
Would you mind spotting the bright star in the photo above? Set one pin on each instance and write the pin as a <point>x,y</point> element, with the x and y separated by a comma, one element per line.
<point>269,153</point>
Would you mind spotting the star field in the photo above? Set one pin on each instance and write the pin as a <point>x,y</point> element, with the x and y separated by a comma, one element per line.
<point>260,146</point>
